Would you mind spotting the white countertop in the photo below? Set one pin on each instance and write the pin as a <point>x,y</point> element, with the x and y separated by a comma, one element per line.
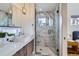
<point>11,48</point>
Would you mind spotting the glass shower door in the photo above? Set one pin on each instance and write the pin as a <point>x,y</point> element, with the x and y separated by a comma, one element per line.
<point>41,33</point>
<point>45,35</point>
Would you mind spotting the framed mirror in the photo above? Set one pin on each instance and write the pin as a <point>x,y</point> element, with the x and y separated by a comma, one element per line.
<point>5,19</point>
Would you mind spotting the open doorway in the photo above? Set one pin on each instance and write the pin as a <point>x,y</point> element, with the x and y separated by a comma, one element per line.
<point>47,29</point>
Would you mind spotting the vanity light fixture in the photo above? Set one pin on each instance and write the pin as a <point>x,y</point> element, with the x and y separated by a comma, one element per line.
<point>10,10</point>
<point>24,9</point>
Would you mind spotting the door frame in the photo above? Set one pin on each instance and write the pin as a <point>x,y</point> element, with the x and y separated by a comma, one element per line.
<point>63,30</point>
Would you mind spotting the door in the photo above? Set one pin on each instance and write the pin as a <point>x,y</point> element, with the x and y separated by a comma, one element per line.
<point>41,32</point>
<point>45,34</point>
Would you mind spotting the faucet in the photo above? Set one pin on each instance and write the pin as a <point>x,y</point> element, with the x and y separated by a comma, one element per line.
<point>9,38</point>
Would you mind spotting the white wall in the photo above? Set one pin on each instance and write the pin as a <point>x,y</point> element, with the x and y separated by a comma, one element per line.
<point>72,9</point>
<point>25,21</point>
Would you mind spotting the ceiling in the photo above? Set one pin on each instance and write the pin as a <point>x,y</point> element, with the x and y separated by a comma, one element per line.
<point>41,7</point>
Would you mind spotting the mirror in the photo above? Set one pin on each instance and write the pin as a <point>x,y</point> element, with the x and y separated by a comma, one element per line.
<point>5,18</point>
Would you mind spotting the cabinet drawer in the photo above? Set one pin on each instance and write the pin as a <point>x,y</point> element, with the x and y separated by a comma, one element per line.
<point>29,48</point>
<point>26,50</point>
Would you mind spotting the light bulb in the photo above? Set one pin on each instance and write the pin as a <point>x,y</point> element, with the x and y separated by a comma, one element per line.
<point>23,11</point>
<point>10,11</point>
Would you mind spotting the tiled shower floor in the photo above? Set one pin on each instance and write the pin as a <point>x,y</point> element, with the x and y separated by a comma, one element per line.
<point>44,51</point>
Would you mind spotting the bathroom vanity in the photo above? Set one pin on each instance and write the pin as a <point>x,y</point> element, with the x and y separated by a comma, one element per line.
<point>22,46</point>
<point>26,50</point>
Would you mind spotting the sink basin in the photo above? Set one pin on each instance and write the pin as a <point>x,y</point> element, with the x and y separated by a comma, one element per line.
<point>1,45</point>
<point>3,42</point>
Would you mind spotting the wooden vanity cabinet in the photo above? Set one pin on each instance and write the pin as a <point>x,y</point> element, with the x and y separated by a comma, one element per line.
<point>26,50</point>
<point>29,48</point>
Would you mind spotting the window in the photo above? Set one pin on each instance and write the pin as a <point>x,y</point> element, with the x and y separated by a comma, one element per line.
<point>41,21</point>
